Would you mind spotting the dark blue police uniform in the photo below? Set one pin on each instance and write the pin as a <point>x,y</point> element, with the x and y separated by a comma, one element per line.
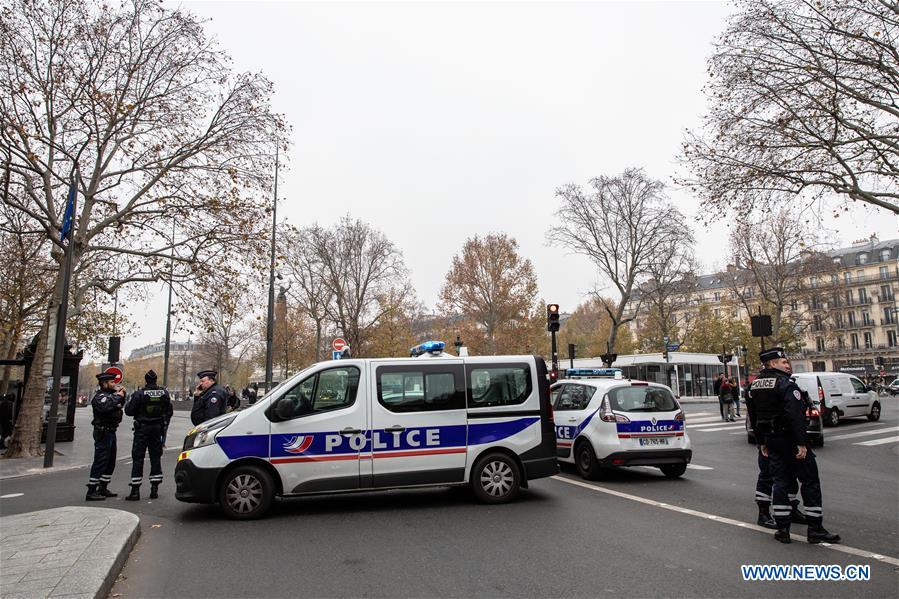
<point>209,403</point>
<point>107,409</point>
<point>152,410</point>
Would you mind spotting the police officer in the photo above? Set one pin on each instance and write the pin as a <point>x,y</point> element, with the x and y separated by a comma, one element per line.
<point>210,398</point>
<point>765,482</point>
<point>107,408</point>
<point>780,428</point>
<point>152,410</point>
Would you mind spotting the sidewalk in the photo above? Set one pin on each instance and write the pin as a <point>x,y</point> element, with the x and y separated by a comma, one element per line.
<point>80,452</point>
<point>64,552</point>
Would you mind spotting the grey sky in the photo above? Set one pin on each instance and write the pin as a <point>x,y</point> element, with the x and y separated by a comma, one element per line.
<point>437,121</point>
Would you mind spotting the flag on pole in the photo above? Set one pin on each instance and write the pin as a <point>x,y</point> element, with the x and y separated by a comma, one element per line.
<point>69,215</point>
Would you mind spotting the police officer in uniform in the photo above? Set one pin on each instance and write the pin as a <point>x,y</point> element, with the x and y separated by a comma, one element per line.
<point>779,414</point>
<point>210,398</point>
<point>152,410</point>
<point>107,408</point>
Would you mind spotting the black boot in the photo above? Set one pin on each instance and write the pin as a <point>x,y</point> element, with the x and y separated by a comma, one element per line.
<point>154,490</point>
<point>106,492</point>
<point>765,518</point>
<point>819,534</point>
<point>783,535</point>
<point>135,493</point>
<point>93,494</point>
<point>796,516</point>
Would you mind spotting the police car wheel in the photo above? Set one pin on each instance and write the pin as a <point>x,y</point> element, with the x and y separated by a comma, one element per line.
<point>246,493</point>
<point>585,460</point>
<point>496,478</point>
<point>874,414</point>
<point>673,470</point>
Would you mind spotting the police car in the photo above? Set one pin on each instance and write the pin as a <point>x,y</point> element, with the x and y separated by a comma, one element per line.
<point>604,420</point>
<point>365,424</point>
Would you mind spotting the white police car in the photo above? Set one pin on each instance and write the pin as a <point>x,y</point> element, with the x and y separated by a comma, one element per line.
<point>364,424</point>
<point>605,421</point>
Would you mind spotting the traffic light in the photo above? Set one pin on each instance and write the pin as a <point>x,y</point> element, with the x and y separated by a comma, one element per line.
<point>552,317</point>
<point>665,353</point>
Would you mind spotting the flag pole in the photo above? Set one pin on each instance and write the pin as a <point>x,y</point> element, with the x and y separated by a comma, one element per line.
<point>62,315</point>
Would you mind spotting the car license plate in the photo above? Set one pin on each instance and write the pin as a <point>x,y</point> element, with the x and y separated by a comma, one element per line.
<point>644,441</point>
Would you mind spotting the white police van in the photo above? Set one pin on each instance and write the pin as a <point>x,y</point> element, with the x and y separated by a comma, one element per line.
<point>605,421</point>
<point>365,424</point>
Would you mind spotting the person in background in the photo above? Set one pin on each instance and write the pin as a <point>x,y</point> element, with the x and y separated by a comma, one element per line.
<point>254,393</point>
<point>726,400</point>
<point>716,388</point>
<point>7,405</point>
<point>735,394</point>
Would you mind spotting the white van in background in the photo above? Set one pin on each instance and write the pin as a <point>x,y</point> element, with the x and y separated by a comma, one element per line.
<point>840,395</point>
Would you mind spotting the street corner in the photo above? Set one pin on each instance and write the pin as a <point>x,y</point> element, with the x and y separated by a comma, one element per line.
<point>65,551</point>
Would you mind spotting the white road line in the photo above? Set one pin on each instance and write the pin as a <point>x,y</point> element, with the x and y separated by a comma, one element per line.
<point>703,419</point>
<point>720,428</point>
<point>879,441</point>
<point>888,429</point>
<point>713,424</point>
<point>698,467</point>
<point>693,415</point>
<point>675,508</point>
<point>11,495</point>
<point>739,433</point>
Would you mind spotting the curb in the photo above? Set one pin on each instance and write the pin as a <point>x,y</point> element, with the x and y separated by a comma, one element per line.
<point>39,471</point>
<point>99,562</point>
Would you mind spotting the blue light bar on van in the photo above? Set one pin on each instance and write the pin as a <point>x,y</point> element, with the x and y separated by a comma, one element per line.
<point>428,347</point>
<point>594,372</point>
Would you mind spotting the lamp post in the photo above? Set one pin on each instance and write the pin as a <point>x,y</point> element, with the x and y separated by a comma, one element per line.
<point>168,315</point>
<point>270,323</point>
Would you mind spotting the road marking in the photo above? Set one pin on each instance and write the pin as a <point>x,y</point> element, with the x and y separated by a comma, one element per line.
<point>879,441</point>
<point>739,433</point>
<point>722,428</point>
<point>683,510</point>
<point>711,425</point>
<point>11,495</point>
<point>698,467</point>
<point>691,414</point>
<point>889,429</point>
<point>704,419</point>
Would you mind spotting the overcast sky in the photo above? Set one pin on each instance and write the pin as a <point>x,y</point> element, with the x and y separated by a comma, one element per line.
<point>436,121</point>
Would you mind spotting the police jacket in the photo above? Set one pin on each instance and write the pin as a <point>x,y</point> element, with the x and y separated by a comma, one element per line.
<point>776,407</point>
<point>150,405</point>
<point>209,404</point>
<point>107,407</point>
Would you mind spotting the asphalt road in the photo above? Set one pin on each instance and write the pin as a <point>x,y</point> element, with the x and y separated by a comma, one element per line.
<point>559,539</point>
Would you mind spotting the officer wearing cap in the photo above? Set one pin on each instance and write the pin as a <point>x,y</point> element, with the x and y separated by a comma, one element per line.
<point>778,418</point>
<point>210,399</point>
<point>152,410</point>
<point>107,408</point>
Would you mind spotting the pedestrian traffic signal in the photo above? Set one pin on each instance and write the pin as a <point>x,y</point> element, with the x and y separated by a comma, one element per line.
<point>552,317</point>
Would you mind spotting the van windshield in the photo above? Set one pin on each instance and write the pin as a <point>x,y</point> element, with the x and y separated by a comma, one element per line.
<point>642,399</point>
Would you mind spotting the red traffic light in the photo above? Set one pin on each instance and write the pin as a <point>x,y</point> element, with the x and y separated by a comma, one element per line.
<point>552,308</point>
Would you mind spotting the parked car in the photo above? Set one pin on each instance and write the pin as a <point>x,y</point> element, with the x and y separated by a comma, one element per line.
<point>840,395</point>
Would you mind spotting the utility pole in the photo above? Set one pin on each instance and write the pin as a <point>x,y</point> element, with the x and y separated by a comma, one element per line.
<point>270,325</point>
<point>168,314</point>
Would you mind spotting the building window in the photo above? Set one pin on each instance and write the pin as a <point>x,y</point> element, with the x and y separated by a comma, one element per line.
<point>859,275</point>
<point>835,301</point>
<point>816,303</point>
<point>849,300</point>
<point>863,296</point>
<point>884,255</point>
<point>794,305</point>
<point>837,260</point>
<point>862,258</point>
<point>888,317</point>
<point>819,343</point>
<point>841,343</point>
<point>818,323</point>
<point>851,317</point>
<point>834,279</point>
<point>884,272</point>
<point>717,313</point>
<point>717,297</point>
<point>814,281</point>
<point>839,320</point>
<point>868,343</point>
<point>866,319</point>
<point>854,339</point>
<point>891,338</point>
<point>847,277</point>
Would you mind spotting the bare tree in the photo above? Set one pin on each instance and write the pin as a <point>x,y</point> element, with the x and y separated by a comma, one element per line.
<point>802,98</point>
<point>141,112</point>
<point>492,284</point>
<point>667,293</point>
<point>307,275</point>
<point>624,225</point>
<point>359,268</point>
<point>780,270</point>
<point>226,331</point>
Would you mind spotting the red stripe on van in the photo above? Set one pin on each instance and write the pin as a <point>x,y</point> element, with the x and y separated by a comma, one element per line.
<point>403,454</point>
<point>317,458</point>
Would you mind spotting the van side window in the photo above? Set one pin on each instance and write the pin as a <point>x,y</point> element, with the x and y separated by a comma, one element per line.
<point>503,385</point>
<point>324,391</point>
<point>420,389</point>
<point>858,386</point>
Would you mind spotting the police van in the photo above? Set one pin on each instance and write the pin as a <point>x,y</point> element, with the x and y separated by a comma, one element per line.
<point>367,424</point>
<point>605,421</point>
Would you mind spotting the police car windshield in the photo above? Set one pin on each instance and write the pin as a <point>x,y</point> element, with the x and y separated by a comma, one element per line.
<point>642,399</point>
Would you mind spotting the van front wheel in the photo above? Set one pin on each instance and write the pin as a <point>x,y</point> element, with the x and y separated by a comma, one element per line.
<point>495,478</point>
<point>246,493</point>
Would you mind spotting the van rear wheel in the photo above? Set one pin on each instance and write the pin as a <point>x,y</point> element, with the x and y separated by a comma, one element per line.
<point>833,417</point>
<point>874,414</point>
<point>495,478</point>
<point>246,493</point>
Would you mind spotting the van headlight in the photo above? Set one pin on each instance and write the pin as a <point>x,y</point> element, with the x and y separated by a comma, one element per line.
<point>202,436</point>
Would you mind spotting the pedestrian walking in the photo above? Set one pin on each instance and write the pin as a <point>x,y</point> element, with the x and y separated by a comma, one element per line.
<point>726,398</point>
<point>107,408</point>
<point>716,388</point>
<point>210,399</point>
<point>151,407</point>
<point>779,424</point>
<point>735,395</point>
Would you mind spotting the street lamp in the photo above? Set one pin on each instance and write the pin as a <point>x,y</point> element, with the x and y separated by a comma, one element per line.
<point>270,322</point>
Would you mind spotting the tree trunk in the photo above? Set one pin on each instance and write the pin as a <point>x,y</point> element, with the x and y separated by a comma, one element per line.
<point>9,355</point>
<point>26,437</point>
<point>318,341</point>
